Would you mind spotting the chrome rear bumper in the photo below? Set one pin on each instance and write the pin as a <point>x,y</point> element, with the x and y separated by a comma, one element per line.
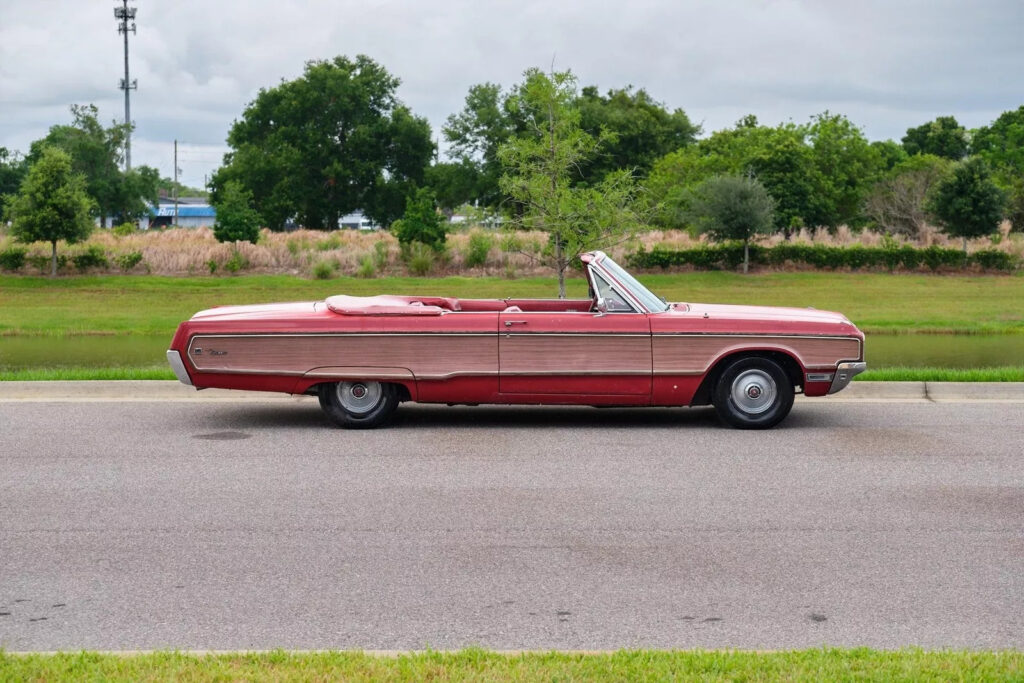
<point>174,358</point>
<point>844,373</point>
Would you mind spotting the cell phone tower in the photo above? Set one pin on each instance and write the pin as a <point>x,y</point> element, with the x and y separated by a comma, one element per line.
<point>125,16</point>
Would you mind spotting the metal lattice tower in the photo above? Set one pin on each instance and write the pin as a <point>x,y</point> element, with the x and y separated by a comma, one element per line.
<point>125,16</point>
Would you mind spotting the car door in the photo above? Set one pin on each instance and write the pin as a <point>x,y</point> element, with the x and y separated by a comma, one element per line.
<point>574,353</point>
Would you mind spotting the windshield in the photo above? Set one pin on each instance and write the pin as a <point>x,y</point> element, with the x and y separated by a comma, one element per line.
<point>649,299</point>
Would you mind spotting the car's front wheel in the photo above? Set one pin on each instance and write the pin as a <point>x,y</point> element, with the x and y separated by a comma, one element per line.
<point>753,393</point>
<point>360,404</point>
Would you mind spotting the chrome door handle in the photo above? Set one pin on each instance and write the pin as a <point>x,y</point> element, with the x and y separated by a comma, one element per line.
<point>510,323</point>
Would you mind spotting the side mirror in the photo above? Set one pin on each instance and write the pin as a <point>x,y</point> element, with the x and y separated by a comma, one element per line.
<point>601,306</point>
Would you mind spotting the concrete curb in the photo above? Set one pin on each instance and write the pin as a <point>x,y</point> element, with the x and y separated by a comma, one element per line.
<point>162,390</point>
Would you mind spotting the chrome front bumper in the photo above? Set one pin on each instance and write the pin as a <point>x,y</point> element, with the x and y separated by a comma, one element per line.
<point>844,373</point>
<point>174,358</point>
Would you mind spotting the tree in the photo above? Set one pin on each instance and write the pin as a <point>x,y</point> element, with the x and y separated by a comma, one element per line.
<point>51,204</point>
<point>97,153</point>
<point>898,201</point>
<point>542,165</point>
<point>968,203</point>
<point>421,222</point>
<point>12,170</point>
<point>237,220</point>
<point>1001,144</point>
<point>454,183</point>
<point>943,137</point>
<point>644,131</point>
<point>328,143</point>
<point>734,208</point>
<point>476,133</point>
<point>846,167</point>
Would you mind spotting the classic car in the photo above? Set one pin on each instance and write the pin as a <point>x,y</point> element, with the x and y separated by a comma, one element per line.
<point>621,346</point>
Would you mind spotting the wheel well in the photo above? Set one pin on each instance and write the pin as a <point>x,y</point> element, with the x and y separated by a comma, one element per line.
<point>703,395</point>
<point>403,391</point>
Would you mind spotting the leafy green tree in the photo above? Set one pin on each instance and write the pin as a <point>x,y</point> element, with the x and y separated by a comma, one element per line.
<point>1001,144</point>
<point>51,205</point>
<point>779,157</point>
<point>421,222</point>
<point>968,203</point>
<point>733,208</point>
<point>13,167</point>
<point>237,220</point>
<point>644,131</point>
<point>890,153</point>
<point>454,183</point>
<point>846,167</point>
<point>943,137</point>
<point>328,143</point>
<point>475,134</point>
<point>898,202</point>
<point>542,167</point>
<point>97,153</point>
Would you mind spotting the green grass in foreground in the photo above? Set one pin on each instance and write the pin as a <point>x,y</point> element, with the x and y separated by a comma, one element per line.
<point>480,665</point>
<point>1008,374</point>
<point>877,302</point>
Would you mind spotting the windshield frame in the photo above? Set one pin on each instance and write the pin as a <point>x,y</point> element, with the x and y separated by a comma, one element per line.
<point>645,298</point>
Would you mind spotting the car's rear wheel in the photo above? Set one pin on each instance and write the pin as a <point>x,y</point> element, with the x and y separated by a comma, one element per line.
<point>753,393</point>
<point>359,404</point>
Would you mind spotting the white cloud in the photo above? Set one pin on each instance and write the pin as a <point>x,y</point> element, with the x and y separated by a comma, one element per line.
<point>888,65</point>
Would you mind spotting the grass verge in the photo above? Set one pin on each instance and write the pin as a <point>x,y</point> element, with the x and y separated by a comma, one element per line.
<point>1007,374</point>
<point>878,303</point>
<point>904,374</point>
<point>480,665</point>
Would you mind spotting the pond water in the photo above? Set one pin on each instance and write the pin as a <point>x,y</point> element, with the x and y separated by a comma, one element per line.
<point>949,351</point>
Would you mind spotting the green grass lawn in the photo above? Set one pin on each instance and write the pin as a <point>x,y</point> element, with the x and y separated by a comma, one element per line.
<point>479,665</point>
<point>878,303</point>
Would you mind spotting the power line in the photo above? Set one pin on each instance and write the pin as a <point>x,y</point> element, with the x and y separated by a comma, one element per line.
<point>125,14</point>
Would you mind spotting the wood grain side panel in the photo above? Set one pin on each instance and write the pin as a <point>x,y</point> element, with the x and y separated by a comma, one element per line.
<point>682,354</point>
<point>429,356</point>
<point>569,354</point>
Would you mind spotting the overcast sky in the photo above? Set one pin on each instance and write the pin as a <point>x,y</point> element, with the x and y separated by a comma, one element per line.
<point>887,64</point>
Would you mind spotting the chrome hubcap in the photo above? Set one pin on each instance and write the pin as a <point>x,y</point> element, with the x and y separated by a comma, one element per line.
<point>358,398</point>
<point>753,391</point>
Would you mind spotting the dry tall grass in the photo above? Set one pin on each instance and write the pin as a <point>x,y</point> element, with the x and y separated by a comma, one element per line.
<point>194,251</point>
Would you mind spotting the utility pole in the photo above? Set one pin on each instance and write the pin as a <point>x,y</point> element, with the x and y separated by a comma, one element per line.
<point>124,15</point>
<point>175,183</point>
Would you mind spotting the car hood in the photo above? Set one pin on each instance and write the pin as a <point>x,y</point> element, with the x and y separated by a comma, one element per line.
<point>720,318</point>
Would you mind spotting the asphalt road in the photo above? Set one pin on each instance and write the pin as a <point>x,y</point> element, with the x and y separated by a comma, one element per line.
<point>253,525</point>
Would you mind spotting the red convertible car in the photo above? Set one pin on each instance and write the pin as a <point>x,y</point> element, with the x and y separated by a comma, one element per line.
<point>623,346</point>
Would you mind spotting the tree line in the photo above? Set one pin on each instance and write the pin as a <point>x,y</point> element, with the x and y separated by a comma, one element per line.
<point>588,167</point>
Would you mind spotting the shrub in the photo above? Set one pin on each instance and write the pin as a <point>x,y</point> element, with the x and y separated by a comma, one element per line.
<point>42,261</point>
<point>237,220</point>
<point>329,244</point>
<point>212,265</point>
<point>419,258</point>
<point>367,267</point>
<point>380,255</point>
<point>324,270</point>
<point>293,246</point>
<point>729,256</point>
<point>128,260</point>
<point>13,258</point>
<point>123,230</point>
<point>421,222</point>
<point>479,247</point>
<point>92,257</point>
<point>237,262</point>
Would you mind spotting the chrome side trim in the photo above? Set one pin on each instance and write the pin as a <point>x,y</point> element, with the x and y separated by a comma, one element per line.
<point>174,358</point>
<point>846,372</point>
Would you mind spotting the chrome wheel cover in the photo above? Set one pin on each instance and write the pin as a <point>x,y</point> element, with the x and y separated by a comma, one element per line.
<point>359,398</point>
<point>753,391</point>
